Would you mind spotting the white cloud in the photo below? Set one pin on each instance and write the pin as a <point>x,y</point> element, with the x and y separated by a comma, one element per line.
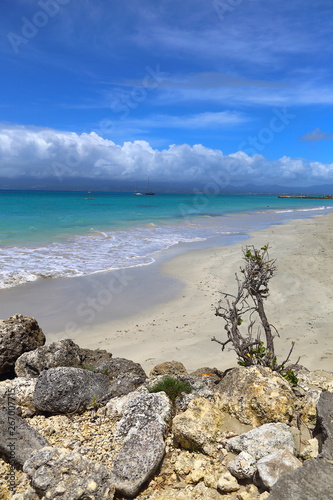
<point>44,153</point>
<point>316,135</point>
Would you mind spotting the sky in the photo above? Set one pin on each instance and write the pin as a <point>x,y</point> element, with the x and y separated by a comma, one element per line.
<point>177,92</point>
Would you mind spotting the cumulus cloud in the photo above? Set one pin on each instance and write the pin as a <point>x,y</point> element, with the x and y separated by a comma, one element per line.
<point>316,135</point>
<point>43,153</point>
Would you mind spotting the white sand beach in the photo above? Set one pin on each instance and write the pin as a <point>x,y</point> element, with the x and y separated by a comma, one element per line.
<point>300,304</point>
<point>166,312</point>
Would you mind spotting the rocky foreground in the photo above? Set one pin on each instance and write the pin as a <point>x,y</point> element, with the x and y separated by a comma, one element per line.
<point>80,424</point>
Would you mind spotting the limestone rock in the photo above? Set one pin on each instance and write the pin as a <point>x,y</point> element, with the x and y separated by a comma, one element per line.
<point>18,334</point>
<point>168,368</point>
<point>66,390</point>
<point>227,483</point>
<point>57,473</point>
<point>243,466</point>
<point>22,390</point>
<point>18,439</point>
<point>308,408</point>
<point>312,481</point>
<point>140,432</point>
<point>256,395</point>
<point>263,440</point>
<point>318,379</point>
<point>273,466</point>
<point>198,427</point>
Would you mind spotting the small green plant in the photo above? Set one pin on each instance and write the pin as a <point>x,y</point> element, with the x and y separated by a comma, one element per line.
<point>173,387</point>
<point>290,376</point>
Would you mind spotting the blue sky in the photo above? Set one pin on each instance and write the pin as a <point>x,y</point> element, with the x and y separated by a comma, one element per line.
<point>177,91</point>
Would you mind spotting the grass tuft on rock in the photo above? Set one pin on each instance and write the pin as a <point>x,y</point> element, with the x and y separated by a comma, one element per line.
<point>172,387</point>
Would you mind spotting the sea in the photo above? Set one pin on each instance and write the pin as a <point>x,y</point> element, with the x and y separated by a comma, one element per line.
<point>52,234</point>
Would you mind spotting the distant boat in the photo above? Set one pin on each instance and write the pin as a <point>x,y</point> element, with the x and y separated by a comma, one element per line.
<point>136,191</point>
<point>150,193</point>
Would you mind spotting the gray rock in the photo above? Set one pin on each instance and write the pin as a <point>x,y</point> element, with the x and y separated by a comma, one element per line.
<point>17,439</point>
<point>140,432</point>
<point>62,353</point>
<point>67,390</point>
<point>18,334</point>
<point>325,424</point>
<point>317,379</point>
<point>256,395</point>
<point>271,467</point>
<point>243,466</point>
<point>119,367</point>
<point>312,481</point>
<point>263,440</point>
<point>57,473</point>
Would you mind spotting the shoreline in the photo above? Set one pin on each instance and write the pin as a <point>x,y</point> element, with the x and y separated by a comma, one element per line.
<point>183,290</point>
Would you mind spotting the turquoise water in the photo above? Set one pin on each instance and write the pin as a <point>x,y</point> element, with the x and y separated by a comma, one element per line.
<point>55,234</point>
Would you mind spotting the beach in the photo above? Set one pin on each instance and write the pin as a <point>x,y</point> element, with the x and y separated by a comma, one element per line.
<point>166,311</point>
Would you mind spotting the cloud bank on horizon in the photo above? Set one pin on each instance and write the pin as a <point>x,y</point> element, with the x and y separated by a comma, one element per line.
<point>46,153</point>
<point>176,92</point>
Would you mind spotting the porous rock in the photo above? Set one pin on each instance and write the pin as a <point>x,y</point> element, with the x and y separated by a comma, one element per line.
<point>18,439</point>
<point>66,389</point>
<point>263,440</point>
<point>18,334</point>
<point>243,466</point>
<point>141,435</point>
<point>198,427</point>
<point>57,473</point>
<point>271,467</point>
<point>168,368</point>
<point>61,353</point>
<point>318,379</point>
<point>227,483</point>
<point>257,395</point>
<point>21,390</point>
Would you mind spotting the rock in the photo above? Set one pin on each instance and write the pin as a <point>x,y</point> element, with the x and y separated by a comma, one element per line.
<point>125,376</point>
<point>21,390</point>
<point>168,368</point>
<point>318,379</point>
<point>198,427</point>
<point>263,440</point>
<point>66,390</point>
<point>312,481</point>
<point>325,424</point>
<point>257,395</point>
<point>308,408</point>
<point>57,473</point>
<point>243,466</point>
<point>61,353</point>
<point>227,483</point>
<point>18,439</point>
<point>215,374</point>
<point>140,432</point>
<point>18,334</point>
<point>271,467</point>
<point>310,449</point>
